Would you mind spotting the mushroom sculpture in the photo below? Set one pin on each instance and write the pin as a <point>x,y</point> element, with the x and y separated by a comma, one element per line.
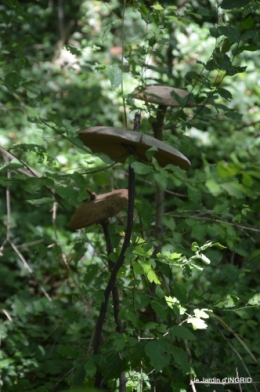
<point>99,208</point>
<point>164,96</point>
<point>119,144</point>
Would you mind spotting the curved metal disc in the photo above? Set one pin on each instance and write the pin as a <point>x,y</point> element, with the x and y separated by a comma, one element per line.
<point>119,144</point>
<point>99,209</point>
<point>162,95</point>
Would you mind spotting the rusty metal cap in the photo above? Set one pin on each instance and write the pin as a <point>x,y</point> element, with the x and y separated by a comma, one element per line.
<point>99,209</point>
<point>119,144</point>
<point>162,95</point>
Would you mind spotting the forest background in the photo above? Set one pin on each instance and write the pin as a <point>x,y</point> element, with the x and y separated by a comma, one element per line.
<point>189,301</point>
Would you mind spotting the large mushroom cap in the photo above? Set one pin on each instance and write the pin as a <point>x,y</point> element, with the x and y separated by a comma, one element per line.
<point>99,209</point>
<point>119,144</point>
<point>162,95</point>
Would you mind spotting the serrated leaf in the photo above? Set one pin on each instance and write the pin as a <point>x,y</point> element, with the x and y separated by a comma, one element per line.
<point>229,301</point>
<point>197,323</point>
<point>90,367</point>
<point>181,358</point>
<point>200,313</point>
<point>182,332</point>
<point>158,352</point>
<point>175,256</point>
<point>152,277</point>
<point>118,341</point>
<point>171,301</point>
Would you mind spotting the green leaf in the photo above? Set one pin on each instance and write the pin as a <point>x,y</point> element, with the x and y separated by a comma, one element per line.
<point>213,187</point>
<point>33,185</point>
<point>234,189</point>
<point>5,17</point>
<point>230,32</point>
<point>247,180</point>
<point>255,300</point>
<point>160,180</point>
<point>92,271</point>
<point>118,341</point>
<point>66,350</point>
<point>182,101</point>
<point>38,202</point>
<point>101,179</point>
<point>12,81</point>
<point>224,93</point>
<point>158,352</point>
<point>249,48</point>
<point>114,74</point>
<point>178,20</point>
<point>181,358</point>
<point>197,323</point>
<point>200,313</point>
<point>150,152</point>
<point>152,277</point>
<point>157,7</point>
<point>182,332</point>
<point>234,115</point>
<point>175,256</point>
<point>230,301</point>
<point>141,168</point>
<point>231,4</point>
<point>169,222</point>
<point>247,23</point>
<point>226,170</point>
<point>12,166</point>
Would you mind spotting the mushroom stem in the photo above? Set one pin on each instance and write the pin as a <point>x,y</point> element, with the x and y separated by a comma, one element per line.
<point>159,196</point>
<point>116,267</point>
<point>115,293</point>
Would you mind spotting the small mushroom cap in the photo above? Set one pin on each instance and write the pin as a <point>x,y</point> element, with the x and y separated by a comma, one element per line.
<point>99,209</point>
<point>119,144</point>
<point>162,95</point>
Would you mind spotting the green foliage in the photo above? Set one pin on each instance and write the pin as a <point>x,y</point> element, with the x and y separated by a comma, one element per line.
<point>189,298</point>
